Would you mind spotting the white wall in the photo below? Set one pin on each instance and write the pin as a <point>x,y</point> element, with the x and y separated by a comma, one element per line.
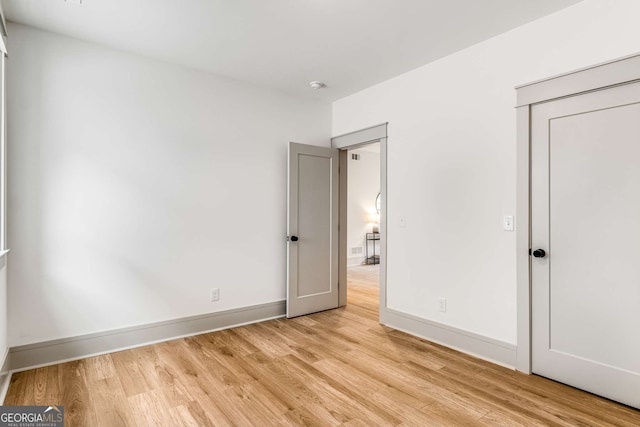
<point>363,186</point>
<point>136,186</point>
<point>451,160</point>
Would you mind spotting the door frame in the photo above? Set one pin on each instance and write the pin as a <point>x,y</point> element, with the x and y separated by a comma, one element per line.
<point>345,142</point>
<point>597,77</point>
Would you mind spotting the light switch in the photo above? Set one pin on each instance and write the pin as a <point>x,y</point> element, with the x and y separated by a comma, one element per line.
<point>403,221</point>
<point>507,223</point>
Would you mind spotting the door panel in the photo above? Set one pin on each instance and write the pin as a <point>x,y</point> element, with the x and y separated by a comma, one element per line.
<point>585,215</point>
<point>312,260</point>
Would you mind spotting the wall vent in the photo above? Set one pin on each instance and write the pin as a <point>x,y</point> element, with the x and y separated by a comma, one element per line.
<point>356,251</point>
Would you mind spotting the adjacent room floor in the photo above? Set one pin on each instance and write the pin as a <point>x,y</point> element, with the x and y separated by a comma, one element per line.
<point>338,367</point>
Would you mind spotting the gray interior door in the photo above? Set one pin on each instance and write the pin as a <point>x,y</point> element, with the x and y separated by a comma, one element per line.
<point>585,199</point>
<point>312,230</point>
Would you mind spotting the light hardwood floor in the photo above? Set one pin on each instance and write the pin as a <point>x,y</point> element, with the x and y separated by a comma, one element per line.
<point>339,367</point>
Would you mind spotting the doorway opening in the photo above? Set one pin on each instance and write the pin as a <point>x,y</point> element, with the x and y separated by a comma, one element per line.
<point>317,244</point>
<point>367,142</point>
<point>363,226</point>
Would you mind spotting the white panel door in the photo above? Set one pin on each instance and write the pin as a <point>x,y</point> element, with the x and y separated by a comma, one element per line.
<point>312,248</point>
<point>585,199</point>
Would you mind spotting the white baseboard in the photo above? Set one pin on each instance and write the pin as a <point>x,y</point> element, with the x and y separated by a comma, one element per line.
<point>486,348</point>
<point>56,351</point>
<point>31,356</point>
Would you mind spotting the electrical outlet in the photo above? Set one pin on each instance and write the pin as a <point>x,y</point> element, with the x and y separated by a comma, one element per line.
<point>215,294</point>
<point>443,304</point>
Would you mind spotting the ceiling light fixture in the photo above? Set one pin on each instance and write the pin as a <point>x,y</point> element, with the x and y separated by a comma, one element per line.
<point>315,85</point>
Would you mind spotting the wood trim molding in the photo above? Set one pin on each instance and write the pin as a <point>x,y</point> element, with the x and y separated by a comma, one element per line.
<point>384,254</point>
<point>343,250</point>
<point>486,348</point>
<point>523,239</point>
<point>5,381</point>
<point>611,73</point>
<point>5,376</point>
<point>3,258</point>
<point>360,137</point>
<point>51,352</point>
<point>3,23</point>
<point>6,363</point>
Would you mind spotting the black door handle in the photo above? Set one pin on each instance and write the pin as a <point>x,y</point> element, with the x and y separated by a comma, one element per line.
<point>539,253</point>
<point>293,238</point>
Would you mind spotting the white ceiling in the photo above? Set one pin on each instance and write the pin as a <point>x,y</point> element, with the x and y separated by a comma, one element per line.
<point>284,44</point>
